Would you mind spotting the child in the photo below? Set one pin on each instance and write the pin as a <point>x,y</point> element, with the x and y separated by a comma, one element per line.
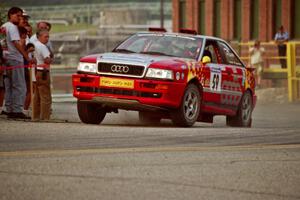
<point>30,50</point>
<point>256,60</point>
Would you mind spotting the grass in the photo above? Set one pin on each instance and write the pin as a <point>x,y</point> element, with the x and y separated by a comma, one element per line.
<point>59,28</point>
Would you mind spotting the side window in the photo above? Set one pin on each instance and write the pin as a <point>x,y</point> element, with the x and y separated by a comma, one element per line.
<point>229,56</point>
<point>211,50</point>
<point>212,53</point>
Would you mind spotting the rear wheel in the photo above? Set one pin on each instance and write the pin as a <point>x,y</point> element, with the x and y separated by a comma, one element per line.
<point>90,113</point>
<point>189,109</point>
<point>244,113</point>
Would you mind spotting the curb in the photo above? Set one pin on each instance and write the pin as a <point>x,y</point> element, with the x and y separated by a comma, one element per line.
<point>63,98</point>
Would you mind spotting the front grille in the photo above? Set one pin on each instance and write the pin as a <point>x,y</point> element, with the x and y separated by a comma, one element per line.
<point>120,69</point>
<point>119,92</point>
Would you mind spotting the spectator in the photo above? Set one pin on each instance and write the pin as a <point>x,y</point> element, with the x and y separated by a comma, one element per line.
<point>43,26</point>
<point>2,90</point>
<point>29,31</point>
<point>42,96</point>
<point>256,60</point>
<point>24,19</point>
<point>24,42</point>
<point>30,51</point>
<point>15,86</point>
<point>2,64</point>
<point>280,38</point>
<point>26,31</point>
<point>23,36</point>
<point>24,24</point>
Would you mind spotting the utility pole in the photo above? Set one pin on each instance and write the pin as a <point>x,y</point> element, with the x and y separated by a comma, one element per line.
<point>161,13</point>
<point>88,14</point>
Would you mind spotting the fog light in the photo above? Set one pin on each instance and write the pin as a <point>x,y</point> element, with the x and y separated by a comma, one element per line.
<point>148,85</point>
<point>161,87</point>
<point>76,79</point>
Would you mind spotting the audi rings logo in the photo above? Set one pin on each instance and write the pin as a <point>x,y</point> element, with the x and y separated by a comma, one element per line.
<point>119,68</point>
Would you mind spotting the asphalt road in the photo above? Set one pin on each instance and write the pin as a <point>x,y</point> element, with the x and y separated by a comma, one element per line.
<point>122,159</point>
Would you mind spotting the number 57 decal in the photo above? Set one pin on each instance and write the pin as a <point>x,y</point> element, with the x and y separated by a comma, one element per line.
<point>215,80</point>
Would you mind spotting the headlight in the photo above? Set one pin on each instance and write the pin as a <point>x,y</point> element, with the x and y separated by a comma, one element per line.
<point>160,73</point>
<point>87,67</point>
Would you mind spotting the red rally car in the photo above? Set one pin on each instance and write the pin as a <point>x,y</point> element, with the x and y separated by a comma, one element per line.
<point>179,76</point>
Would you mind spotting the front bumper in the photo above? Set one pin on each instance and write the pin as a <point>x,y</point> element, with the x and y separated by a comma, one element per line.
<point>125,104</point>
<point>152,94</point>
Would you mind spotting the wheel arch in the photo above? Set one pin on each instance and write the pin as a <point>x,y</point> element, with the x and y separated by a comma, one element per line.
<point>252,95</point>
<point>196,82</point>
<point>179,116</point>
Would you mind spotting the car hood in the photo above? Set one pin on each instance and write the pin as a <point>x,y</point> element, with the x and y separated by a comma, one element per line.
<point>140,59</point>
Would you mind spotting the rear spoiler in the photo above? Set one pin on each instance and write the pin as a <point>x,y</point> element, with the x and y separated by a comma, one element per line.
<point>188,31</point>
<point>151,29</point>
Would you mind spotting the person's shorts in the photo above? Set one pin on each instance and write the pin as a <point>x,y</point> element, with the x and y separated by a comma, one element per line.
<point>258,68</point>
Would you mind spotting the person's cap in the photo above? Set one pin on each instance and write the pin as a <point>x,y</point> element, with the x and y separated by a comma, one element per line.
<point>25,14</point>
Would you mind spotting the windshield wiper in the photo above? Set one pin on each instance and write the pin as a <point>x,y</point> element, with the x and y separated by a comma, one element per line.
<point>124,51</point>
<point>154,53</point>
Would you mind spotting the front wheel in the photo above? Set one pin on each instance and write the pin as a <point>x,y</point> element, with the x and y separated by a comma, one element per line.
<point>90,113</point>
<point>244,113</point>
<point>188,112</point>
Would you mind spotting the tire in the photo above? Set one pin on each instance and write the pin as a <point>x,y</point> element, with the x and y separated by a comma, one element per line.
<point>148,118</point>
<point>90,113</point>
<point>188,112</point>
<point>244,113</point>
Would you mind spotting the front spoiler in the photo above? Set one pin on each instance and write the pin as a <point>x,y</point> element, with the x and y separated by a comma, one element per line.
<point>125,104</point>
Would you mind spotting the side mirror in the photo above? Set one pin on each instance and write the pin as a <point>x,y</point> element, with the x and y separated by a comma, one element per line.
<point>206,59</point>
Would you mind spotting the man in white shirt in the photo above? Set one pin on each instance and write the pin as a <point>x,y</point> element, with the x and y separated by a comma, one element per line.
<point>25,24</point>
<point>15,85</point>
<point>42,96</point>
<point>43,26</point>
<point>281,38</point>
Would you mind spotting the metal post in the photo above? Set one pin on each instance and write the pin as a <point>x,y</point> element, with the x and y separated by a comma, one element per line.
<point>31,92</point>
<point>161,13</point>
<point>291,65</point>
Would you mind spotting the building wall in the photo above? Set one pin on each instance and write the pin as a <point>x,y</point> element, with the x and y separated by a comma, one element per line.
<point>263,25</point>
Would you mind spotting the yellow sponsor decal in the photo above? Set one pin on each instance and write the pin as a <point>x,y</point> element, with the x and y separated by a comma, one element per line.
<point>115,82</point>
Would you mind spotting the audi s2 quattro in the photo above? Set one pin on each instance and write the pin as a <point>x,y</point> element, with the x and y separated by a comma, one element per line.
<point>179,76</point>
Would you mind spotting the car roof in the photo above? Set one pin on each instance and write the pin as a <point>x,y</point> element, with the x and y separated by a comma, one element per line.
<point>205,37</point>
<point>183,34</point>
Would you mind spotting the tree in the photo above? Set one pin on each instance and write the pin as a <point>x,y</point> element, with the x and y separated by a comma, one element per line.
<point>3,17</point>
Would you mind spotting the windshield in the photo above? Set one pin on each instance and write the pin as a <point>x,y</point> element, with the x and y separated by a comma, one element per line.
<point>162,44</point>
